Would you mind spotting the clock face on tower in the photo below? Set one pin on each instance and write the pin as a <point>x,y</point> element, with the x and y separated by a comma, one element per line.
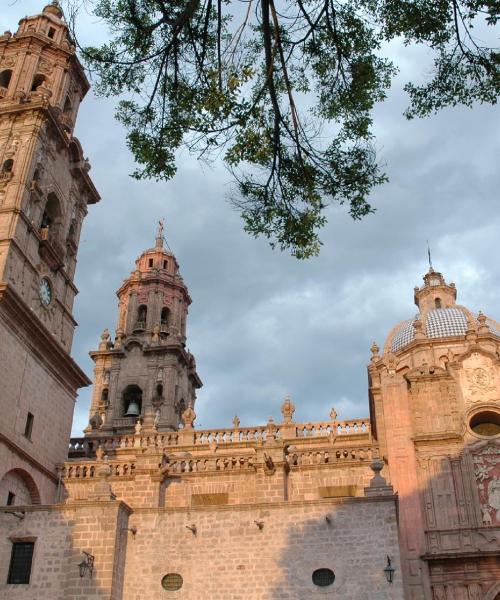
<point>45,291</point>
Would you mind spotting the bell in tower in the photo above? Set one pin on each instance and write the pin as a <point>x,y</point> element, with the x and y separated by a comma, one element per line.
<point>146,373</point>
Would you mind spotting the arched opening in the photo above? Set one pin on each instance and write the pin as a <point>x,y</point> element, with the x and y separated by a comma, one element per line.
<point>8,166</point>
<point>5,77</point>
<point>51,33</point>
<point>164,318</point>
<point>142,315</point>
<point>132,401</point>
<point>38,80</point>
<point>67,116</point>
<point>437,302</point>
<point>181,408</point>
<point>105,396</point>
<point>51,216</point>
<point>159,390</point>
<point>18,488</point>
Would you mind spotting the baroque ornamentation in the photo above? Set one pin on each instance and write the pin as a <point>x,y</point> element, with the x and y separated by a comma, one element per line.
<point>480,380</point>
<point>487,472</point>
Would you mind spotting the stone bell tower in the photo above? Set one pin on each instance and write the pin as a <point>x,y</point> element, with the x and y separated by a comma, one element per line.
<point>146,373</point>
<point>44,193</point>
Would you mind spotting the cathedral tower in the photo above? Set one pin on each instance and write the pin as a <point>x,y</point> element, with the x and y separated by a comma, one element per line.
<point>44,193</point>
<point>146,373</point>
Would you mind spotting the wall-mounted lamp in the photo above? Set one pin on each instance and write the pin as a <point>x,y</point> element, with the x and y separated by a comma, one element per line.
<point>260,524</point>
<point>87,565</point>
<point>192,528</point>
<point>389,571</point>
<point>133,530</point>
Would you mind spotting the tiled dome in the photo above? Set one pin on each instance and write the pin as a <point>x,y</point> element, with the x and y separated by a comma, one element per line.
<point>439,322</point>
<point>439,315</point>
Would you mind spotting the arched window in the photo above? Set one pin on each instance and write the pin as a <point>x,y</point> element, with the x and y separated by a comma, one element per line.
<point>181,408</point>
<point>5,77</point>
<point>159,390</point>
<point>51,215</point>
<point>105,396</point>
<point>18,488</point>
<point>165,315</point>
<point>437,302</point>
<point>142,315</point>
<point>7,166</point>
<point>51,33</point>
<point>38,80</point>
<point>132,401</point>
<point>67,116</point>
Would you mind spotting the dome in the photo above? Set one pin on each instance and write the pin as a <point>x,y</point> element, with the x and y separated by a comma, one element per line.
<point>439,316</point>
<point>439,323</point>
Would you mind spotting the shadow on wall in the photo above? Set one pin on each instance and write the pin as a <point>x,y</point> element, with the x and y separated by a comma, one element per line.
<point>340,555</point>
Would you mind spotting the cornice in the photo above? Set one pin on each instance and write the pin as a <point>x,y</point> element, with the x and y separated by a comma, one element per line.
<point>288,504</point>
<point>150,279</point>
<point>40,340</point>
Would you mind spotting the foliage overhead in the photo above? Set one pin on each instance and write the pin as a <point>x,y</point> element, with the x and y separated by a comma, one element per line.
<point>283,90</point>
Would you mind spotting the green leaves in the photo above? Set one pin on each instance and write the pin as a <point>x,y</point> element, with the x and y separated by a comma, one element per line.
<point>283,91</point>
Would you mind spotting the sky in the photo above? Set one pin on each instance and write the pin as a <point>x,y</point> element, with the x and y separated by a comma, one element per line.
<point>263,324</point>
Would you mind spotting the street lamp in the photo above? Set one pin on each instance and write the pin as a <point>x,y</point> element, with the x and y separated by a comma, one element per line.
<point>389,571</point>
<point>87,564</point>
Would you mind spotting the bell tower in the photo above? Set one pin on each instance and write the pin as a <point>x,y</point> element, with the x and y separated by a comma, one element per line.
<point>45,189</point>
<point>146,373</point>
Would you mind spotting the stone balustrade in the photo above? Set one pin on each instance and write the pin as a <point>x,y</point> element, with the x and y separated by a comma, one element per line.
<point>87,470</point>
<point>297,457</point>
<point>205,464</point>
<point>85,447</point>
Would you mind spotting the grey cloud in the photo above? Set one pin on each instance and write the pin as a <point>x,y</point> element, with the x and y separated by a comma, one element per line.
<point>263,324</point>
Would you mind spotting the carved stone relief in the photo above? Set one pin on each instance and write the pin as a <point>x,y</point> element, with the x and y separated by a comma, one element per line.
<point>478,378</point>
<point>487,472</point>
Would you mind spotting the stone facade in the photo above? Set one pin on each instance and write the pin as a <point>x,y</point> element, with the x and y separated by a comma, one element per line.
<point>148,506</point>
<point>435,410</point>
<point>44,193</point>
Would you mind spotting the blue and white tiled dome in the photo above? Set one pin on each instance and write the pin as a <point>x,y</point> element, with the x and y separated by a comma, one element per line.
<point>439,315</point>
<point>439,323</point>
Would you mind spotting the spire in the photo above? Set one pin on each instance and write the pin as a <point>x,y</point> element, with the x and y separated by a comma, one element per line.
<point>431,268</point>
<point>159,233</point>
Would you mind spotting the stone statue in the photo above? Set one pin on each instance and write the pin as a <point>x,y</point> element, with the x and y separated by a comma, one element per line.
<point>287,409</point>
<point>486,515</point>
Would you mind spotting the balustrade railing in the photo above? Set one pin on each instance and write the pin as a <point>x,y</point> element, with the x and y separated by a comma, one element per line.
<point>299,457</point>
<point>86,447</point>
<point>204,464</point>
<point>87,470</point>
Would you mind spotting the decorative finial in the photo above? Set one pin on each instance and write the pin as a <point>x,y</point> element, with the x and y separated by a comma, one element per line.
<point>105,343</point>
<point>287,409</point>
<point>375,352</point>
<point>188,416</point>
<point>333,415</point>
<point>431,268</point>
<point>159,233</point>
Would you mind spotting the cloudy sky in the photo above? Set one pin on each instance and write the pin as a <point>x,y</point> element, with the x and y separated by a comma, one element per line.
<point>263,324</point>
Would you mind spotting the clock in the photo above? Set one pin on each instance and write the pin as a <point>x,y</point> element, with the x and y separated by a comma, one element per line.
<point>45,291</point>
